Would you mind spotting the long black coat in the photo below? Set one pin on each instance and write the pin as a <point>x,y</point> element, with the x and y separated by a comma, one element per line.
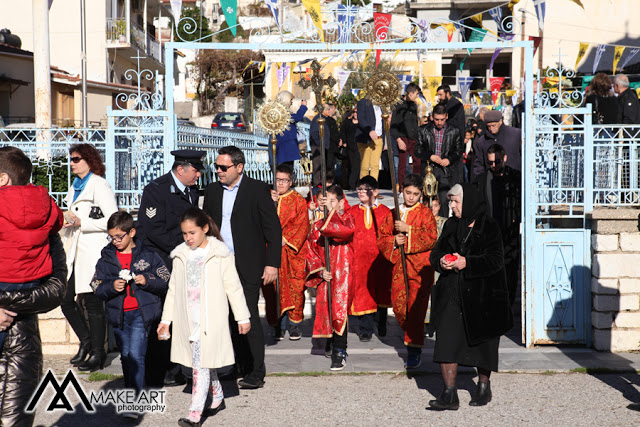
<point>481,286</point>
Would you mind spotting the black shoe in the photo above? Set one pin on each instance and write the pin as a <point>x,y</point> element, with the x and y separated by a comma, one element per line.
<point>210,412</point>
<point>328,348</point>
<point>81,355</point>
<point>251,383</point>
<point>186,422</point>
<point>483,394</point>
<point>338,360</point>
<point>278,334</point>
<point>448,400</point>
<point>93,363</point>
<point>174,380</point>
<point>365,337</point>
<point>294,333</point>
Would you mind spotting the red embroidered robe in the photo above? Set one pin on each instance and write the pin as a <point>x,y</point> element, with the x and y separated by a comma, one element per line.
<point>372,280</point>
<point>339,229</point>
<point>419,241</point>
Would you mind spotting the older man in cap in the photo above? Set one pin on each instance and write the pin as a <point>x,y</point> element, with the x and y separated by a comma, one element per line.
<point>497,133</point>
<point>164,200</point>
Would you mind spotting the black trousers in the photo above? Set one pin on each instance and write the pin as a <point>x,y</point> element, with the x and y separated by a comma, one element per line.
<point>74,313</point>
<point>354,167</point>
<point>366,323</point>
<point>317,163</point>
<point>249,348</point>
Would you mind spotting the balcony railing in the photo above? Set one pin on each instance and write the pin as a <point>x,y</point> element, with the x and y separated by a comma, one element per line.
<point>116,30</point>
<point>117,33</point>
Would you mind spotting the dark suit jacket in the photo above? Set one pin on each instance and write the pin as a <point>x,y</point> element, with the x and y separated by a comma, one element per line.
<point>257,236</point>
<point>455,111</point>
<point>366,121</point>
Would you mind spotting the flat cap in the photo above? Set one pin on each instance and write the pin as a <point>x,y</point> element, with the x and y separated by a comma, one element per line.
<point>492,116</point>
<point>193,157</point>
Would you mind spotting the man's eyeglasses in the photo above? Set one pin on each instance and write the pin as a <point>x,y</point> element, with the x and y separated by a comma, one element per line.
<point>364,190</point>
<point>118,239</point>
<point>496,162</point>
<point>75,159</point>
<point>223,168</point>
<point>282,181</point>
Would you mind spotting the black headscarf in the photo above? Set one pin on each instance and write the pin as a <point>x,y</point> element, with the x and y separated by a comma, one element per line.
<point>473,206</point>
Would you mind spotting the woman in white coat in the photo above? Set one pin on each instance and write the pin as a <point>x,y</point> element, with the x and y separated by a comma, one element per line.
<point>204,282</point>
<point>91,202</point>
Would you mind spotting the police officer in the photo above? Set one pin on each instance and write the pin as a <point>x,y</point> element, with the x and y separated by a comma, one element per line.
<point>164,200</point>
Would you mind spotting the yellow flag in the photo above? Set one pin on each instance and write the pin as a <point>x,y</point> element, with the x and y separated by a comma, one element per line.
<point>262,65</point>
<point>313,7</point>
<point>579,3</point>
<point>366,58</point>
<point>477,19</point>
<point>407,40</point>
<point>510,92</point>
<point>512,3</point>
<point>433,83</point>
<point>617,54</point>
<point>581,51</point>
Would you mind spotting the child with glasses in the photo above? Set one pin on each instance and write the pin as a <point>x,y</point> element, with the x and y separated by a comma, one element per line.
<point>28,216</point>
<point>132,279</point>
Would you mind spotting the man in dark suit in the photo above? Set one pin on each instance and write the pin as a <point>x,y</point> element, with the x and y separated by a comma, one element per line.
<point>243,210</point>
<point>164,200</point>
<point>455,109</point>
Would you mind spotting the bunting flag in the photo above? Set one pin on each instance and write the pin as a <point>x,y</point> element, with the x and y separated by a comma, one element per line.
<point>477,19</point>
<point>407,40</point>
<point>285,74</point>
<point>355,92</point>
<point>617,54</point>
<point>346,18</point>
<point>512,3</point>
<point>176,9</point>
<point>477,35</point>
<point>262,65</point>
<point>495,83</point>
<point>367,54</point>
<point>313,8</point>
<point>578,2</point>
<point>381,22</point>
<point>460,29</point>
<point>596,60</point>
<point>494,57</point>
<point>464,83</point>
<point>433,83</point>
<point>273,7</point>
<point>450,27</point>
<point>496,14</point>
<point>540,6</point>
<point>536,43</point>
<point>581,52</point>
<point>280,74</point>
<point>423,99</point>
<point>405,79</point>
<point>629,57</point>
<point>230,10</point>
<point>343,76</point>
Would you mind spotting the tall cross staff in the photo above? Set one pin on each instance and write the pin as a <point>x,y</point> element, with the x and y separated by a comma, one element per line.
<point>317,84</point>
<point>383,88</point>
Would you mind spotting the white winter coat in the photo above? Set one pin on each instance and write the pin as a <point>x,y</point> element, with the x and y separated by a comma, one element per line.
<point>83,245</point>
<point>222,288</point>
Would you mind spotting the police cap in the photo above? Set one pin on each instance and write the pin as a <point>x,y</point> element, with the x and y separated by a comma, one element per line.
<point>193,157</point>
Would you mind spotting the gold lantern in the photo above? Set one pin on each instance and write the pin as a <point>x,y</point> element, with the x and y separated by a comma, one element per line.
<point>430,185</point>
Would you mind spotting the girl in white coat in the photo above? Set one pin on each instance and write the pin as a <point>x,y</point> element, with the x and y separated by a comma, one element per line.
<point>90,202</point>
<point>204,282</point>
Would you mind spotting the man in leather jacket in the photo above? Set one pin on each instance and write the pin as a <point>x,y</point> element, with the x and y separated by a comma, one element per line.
<point>441,145</point>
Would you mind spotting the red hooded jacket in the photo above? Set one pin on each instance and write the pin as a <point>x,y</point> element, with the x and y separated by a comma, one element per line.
<point>28,215</point>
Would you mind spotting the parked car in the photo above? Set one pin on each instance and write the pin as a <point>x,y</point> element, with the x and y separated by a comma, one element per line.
<point>185,122</point>
<point>233,122</point>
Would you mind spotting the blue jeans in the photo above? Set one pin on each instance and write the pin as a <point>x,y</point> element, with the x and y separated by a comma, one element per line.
<point>132,342</point>
<point>12,287</point>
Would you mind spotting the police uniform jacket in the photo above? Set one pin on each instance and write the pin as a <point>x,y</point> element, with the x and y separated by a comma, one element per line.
<point>159,216</point>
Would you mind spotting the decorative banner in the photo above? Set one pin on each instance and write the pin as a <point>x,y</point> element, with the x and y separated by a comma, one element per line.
<point>495,83</point>
<point>581,52</point>
<point>230,10</point>
<point>313,8</point>
<point>596,60</point>
<point>512,3</point>
<point>346,18</point>
<point>343,76</point>
<point>496,14</point>
<point>280,74</point>
<point>536,43</point>
<point>477,19</point>
<point>273,7</point>
<point>493,57</point>
<point>464,83</point>
<point>405,79</point>
<point>460,29</point>
<point>578,2</point>
<point>381,22</point>
<point>355,92</point>
<point>176,9</point>
<point>285,74</point>
<point>262,65</point>
<point>366,58</point>
<point>477,35</point>
<point>407,40</point>
<point>540,6</point>
<point>629,57</point>
<point>617,54</point>
<point>433,83</point>
<point>450,27</point>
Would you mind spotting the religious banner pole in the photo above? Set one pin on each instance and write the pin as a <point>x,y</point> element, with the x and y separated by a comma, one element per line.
<point>274,117</point>
<point>317,84</point>
<point>383,88</point>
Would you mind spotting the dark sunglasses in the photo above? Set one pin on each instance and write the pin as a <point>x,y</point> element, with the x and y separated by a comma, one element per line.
<point>223,168</point>
<point>495,162</point>
<point>76,159</point>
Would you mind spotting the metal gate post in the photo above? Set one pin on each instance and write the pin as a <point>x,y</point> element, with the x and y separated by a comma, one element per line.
<point>110,151</point>
<point>170,123</point>
<point>527,201</point>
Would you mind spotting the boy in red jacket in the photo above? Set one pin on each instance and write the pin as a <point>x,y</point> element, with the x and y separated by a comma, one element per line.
<point>28,215</point>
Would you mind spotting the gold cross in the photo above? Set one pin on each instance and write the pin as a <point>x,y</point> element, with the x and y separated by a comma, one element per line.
<point>317,83</point>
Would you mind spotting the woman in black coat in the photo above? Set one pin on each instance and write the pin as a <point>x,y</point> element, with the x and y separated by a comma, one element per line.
<point>470,302</point>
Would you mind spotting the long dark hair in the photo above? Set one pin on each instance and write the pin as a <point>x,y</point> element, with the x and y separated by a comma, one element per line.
<point>201,219</point>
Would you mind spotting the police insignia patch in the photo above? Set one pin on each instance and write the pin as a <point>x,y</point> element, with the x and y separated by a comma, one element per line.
<point>151,212</point>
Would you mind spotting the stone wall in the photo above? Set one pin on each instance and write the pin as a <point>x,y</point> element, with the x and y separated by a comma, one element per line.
<point>57,336</point>
<point>615,282</point>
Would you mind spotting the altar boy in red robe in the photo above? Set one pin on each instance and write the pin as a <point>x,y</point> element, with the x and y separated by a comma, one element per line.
<point>416,230</point>
<point>292,211</point>
<point>336,231</point>
<point>372,284</point>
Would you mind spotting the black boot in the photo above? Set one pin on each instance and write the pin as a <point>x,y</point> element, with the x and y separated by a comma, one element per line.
<point>98,356</point>
<point>82,353</point>
<point>483,394</point>
<point>448,400</point>
<point>382,322</point>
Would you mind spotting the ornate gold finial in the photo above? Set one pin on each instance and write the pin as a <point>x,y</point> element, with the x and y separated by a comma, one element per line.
<point>430,184</point>
<point>383,88</point>
<point>274,118</point>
